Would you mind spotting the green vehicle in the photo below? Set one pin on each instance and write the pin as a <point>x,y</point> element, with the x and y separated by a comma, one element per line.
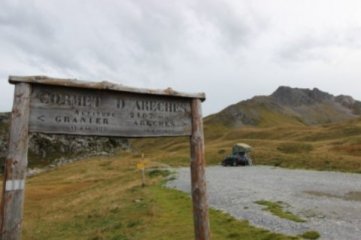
<point>239,157</point>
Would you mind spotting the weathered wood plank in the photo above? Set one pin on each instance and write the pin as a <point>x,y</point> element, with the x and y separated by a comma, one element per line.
<point>105,109</point>
<point>43,80</point>
<point>107,113</point>
<point>199,192</point>
<point>15,166</point>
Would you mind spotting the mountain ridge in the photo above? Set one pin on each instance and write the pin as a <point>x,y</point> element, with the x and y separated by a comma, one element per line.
<point>287,105</point>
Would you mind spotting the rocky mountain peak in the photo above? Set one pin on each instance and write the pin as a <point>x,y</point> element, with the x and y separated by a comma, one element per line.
<point>345,100</point>
<point>299,96</point>
<point>289,105</point>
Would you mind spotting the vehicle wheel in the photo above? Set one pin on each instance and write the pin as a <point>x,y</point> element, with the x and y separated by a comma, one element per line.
<point>234,163</point>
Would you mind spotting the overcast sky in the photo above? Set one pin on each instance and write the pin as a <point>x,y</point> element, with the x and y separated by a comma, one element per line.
<point>229,49</point>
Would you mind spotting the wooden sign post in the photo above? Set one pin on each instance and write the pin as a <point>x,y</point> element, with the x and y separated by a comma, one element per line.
<point>64,106</point>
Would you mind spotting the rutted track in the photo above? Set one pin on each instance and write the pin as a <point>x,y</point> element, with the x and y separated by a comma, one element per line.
<point>330,202</point>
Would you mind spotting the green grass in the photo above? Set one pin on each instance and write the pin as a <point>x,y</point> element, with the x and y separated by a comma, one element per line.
<point>310,235</point>
<point>276,208</point>
<point>102,198</point>
<point>174,218</point>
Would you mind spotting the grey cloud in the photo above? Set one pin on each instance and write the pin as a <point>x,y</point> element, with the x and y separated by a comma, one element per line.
<point>303,49</point>
<point>118,35</point>
<point>235,29</point>
<point>351,38</point>
<point>318,46</point>
<point>24,17</point>
<point>29,30</point>
<point>157,30</point>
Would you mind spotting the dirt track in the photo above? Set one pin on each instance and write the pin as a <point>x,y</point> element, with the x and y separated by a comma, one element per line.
<point>330,202</point>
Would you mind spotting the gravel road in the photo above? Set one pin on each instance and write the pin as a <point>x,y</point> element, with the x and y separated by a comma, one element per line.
<point>330,202</point>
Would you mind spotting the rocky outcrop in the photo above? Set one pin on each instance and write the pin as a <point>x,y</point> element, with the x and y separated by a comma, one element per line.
<point>350,103</point>
<point>346,101</point>
<point>45,149</point>
<point>297,96</point>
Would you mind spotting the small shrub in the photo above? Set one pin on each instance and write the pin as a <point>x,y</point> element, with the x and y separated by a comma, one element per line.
<point>134,223</point>
<point>158,173</point>
<point>119,237</point>
<point>310,235</point>
<point>222,151</point>
<point>105,163</point>
<point>234,236</point>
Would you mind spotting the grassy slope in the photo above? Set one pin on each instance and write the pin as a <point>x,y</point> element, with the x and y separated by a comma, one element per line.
<point>261,113</point>
<point>322,147</point>
<point>102,199</point>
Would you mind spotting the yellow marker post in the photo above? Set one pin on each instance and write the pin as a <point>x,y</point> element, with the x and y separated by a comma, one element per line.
<point>140,165</point>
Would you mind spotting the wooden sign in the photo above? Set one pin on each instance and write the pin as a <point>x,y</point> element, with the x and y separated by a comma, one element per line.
<point>107,113</point>
<point>68,106</point>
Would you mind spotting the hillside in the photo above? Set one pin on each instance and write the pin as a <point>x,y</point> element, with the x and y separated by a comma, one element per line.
<point>335,147</point>
<point>294,128</point>
<point>287,105</point>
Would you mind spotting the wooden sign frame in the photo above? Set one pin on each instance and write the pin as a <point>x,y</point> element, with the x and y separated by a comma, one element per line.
<point>68,106</point>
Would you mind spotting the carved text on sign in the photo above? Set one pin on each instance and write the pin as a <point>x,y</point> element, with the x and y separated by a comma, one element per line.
<point>107,113</point>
